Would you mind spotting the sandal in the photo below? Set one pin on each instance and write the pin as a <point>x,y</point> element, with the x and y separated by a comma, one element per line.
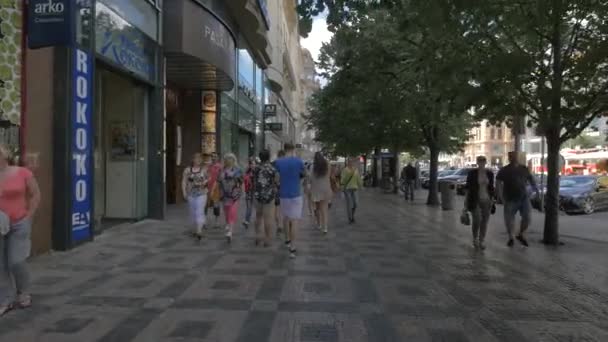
<point>4,309</point>
<point>24,302</point>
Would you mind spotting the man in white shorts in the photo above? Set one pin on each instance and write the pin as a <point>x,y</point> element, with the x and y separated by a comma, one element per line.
<point>291,171</point>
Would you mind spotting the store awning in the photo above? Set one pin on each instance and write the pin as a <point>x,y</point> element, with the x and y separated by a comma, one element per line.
<point>200,49</point>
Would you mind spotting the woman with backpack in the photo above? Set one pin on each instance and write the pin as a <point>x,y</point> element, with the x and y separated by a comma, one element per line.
<point>194,190</point>
<point>231,182</point>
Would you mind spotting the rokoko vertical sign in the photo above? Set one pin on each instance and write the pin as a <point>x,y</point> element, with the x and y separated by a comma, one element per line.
<point>81,127</point>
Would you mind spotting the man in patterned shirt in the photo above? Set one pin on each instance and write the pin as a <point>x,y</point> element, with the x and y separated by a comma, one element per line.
<point>265,184</point>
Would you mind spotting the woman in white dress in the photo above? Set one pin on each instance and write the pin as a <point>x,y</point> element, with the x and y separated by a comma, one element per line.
<point>322,193</point>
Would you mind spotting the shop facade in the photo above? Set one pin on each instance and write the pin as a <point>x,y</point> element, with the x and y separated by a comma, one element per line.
<point>214,83</point>
<point>93,73</point>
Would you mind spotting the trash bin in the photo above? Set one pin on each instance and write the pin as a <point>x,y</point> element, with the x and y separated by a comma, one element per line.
<point>448,192</point>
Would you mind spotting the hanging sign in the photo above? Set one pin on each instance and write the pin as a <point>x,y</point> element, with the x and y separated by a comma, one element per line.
<point>273,126</point>
<point>270,110</point>
<point>82,152</point>
<point>49,23</point>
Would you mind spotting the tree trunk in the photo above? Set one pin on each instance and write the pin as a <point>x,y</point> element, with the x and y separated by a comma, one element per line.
<point>551,230</point>
<point>433,198</point>
<point>375,167</point>
<point>396,173</point>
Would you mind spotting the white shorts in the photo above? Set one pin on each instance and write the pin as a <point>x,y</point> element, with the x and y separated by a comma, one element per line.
<point>291,208</point>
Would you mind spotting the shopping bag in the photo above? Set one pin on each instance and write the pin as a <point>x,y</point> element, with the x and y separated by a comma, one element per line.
<point>465,219</point>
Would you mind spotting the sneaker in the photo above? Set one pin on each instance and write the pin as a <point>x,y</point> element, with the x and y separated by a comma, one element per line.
<point>325,230</point>
<point>288,244</point>
<point>246,224</point>
<point>228,236</point>
<point>292,252</point>
<point>522,240</point>
<point>482,245</point>
<point>510,243</point>
<point>475,243</point>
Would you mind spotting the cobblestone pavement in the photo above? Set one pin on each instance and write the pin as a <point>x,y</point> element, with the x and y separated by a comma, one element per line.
<point>403,272</point>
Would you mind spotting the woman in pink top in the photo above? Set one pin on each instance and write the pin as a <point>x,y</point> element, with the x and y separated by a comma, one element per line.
<point>19,198</point>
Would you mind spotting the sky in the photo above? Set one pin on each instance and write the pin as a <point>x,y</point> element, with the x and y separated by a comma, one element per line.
<point>317,37</point>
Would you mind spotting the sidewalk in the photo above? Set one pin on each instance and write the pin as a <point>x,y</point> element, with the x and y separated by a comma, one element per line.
<point>593,228</point>
<point>403,272</point>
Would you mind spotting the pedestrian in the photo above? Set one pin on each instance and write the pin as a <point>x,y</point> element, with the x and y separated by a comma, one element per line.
<point>291,171</point>
<point>231,182</point>
<point>249,195</point>
<point>479,200</point>
<point>265,184</point>
<point>409,175</point>
<point>334,181</point>
<point>194,189</point>
<point>277,200</point>
<point>351,183</point>
<point>321,190</point>
<point>306,184</point>
<point>19,200</point>
<point>511,181</point>
<point>213,200</point>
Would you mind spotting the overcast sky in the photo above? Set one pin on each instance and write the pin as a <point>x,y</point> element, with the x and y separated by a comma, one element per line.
<point>317,37</point>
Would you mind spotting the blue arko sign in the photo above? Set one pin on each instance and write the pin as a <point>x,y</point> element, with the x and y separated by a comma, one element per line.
<point>50,23</point>
<point>81,165</point>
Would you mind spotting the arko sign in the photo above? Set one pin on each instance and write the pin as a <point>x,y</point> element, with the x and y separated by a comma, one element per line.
<point>49,23</point>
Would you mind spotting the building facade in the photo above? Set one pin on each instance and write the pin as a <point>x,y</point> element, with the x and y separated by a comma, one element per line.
<point>492,141</point>
<point>309,85</point>
<point>215,81</point>
<point>284,75</point>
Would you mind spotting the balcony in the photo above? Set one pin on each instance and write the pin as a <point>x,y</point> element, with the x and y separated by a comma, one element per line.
<point>253,28</point>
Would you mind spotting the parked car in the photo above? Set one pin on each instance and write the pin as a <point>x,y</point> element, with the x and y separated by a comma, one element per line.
<point>443,173</point>
<point>580,194</point>
<point>460,179</point>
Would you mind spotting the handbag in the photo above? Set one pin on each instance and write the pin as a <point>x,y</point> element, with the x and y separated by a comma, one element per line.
<point>215,193</point>
<point>465,219</point>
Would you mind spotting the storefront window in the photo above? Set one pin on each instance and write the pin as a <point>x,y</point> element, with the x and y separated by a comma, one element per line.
<point>140,13</point>
<point>246,69</point>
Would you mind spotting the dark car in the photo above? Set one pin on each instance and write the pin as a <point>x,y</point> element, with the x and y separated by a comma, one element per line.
<point>460,179</point>
<point>443,173</point>
<point>580,194</point>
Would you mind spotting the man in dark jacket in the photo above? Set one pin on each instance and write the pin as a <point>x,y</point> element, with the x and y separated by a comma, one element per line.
<point>409,175</point>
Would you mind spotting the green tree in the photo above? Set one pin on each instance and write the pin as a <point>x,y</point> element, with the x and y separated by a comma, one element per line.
<point>545,59</point>
<point>405,77</point>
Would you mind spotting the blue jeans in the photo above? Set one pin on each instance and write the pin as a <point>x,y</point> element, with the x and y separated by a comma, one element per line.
<point>409,189</point>
<point>15,248</point>
<point>351,203</point>
<point>511,208</point>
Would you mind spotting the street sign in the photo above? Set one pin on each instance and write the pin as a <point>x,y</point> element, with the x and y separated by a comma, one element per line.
<point>270,110</point>
<point>273,126</point>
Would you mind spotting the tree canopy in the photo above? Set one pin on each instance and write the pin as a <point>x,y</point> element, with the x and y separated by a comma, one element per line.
<point>436,60</point>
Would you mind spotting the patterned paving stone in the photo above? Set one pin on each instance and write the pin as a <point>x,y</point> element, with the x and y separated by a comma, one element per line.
<point>402,273</point>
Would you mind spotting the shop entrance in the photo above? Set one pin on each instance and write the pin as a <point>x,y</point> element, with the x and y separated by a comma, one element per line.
<point>121,163</point>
